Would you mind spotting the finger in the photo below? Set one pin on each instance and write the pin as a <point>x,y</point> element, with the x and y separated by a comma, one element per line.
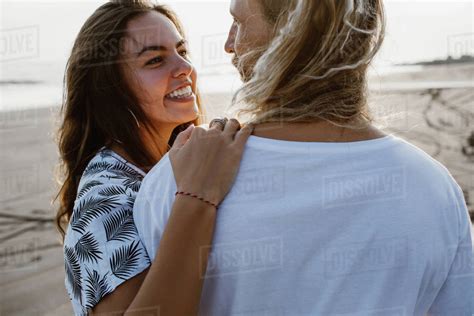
<point>183,137</point>
<point>231,128</point>
<point>218,124</point>
<point>243,135</point>
<point>199,132</point>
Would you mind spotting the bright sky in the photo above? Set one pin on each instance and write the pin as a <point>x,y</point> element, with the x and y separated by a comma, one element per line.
<point>417,29</point>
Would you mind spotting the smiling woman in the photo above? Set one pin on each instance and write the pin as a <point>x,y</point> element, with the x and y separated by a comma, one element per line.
<point>124,85</point>
<point>157,67</point>
<point>130,89</point>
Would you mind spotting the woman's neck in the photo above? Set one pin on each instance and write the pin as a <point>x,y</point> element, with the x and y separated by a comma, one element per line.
<point>156,144</point>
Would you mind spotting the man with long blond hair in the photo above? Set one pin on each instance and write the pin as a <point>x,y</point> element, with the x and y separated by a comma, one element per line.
<point>328,215</point>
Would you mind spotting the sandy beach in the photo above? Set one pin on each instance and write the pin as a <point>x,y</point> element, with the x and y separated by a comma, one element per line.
<point>434,109</point>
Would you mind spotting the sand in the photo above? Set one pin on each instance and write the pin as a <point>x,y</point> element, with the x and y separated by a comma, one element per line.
<point>31,262</point>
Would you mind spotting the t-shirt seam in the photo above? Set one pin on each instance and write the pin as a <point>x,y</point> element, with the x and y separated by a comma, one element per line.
<point>276,145</point>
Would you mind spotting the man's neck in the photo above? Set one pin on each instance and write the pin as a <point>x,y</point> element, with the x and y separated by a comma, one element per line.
<point>315,132</point>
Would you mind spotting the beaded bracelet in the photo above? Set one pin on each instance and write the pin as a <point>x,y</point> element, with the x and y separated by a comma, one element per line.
<point>197,197</point>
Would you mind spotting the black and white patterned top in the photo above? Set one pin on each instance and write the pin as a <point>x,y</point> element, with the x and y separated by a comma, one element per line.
<point>102,248</point>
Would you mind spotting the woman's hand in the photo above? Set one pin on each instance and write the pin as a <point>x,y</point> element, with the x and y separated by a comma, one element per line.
<point>206,162</point>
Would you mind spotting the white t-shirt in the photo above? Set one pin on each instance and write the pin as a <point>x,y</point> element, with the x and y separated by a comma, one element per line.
<point>363,228</point>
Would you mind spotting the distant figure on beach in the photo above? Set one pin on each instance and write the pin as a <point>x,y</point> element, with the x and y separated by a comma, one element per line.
<point>130,95</point>
<point>327,215</point>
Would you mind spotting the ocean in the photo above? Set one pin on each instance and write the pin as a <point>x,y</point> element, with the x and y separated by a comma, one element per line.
<point>32,84</point>
<point>45,31</point>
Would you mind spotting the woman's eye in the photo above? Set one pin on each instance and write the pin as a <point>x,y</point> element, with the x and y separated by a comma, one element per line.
<point>154,61</point>
<point>184,53</point>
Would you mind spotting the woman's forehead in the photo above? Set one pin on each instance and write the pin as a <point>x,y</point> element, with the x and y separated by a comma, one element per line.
<point>151,29</point>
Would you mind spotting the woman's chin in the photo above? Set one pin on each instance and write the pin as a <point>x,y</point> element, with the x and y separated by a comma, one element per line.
<point>186,116</point>
<point>186,111</point>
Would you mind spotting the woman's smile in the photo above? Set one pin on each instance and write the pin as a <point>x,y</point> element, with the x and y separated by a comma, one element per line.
<point>182,95</point>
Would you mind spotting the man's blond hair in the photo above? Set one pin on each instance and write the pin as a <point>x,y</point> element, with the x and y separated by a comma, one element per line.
<point>315,66</point>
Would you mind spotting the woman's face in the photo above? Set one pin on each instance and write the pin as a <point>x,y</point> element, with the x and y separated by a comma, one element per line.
<point>158,70</point>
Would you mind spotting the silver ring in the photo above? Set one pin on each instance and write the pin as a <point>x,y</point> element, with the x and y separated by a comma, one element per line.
<point>220,121</point>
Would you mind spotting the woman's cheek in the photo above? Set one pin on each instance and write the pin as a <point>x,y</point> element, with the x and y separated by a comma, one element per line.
<point>194,79</point>
<point>157,86</point>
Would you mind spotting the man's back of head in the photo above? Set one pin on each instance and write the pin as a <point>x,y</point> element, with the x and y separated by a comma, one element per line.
<point>305,61</point>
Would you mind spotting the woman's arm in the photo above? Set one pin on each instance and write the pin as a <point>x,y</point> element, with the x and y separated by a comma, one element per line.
<point>172,284</point>
<point>174,281</point>
<point>204,163</point>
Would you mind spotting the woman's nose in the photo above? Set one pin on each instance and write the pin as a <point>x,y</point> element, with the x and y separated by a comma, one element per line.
<point>183,67</point>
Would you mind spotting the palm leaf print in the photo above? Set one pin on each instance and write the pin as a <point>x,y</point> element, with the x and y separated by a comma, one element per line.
<point>125,171</point>
<point>127,180</point>
<point>133,183</point>
<point>124,260</point>
<point>120,226</point>
<point>113,190</point>
<point>87,187</point>
<point>91,208</point>
<point>96,288</point>
<point>84,311</point>
<point>73,272</point>
<point>130,201</point>
<point>87,248</point>
<point>131,178</point>
<point>96,167</point>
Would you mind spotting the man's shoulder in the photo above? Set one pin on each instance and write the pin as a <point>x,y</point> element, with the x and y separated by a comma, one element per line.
<point>419,163</point>
<point>158,181</point>
<point>161,166</point>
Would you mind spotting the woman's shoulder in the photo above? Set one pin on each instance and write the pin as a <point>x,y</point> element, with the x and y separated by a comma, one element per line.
<point>106,169</point>
<point>107,190</point>
<point>102,248</point>
<point>108,165</point>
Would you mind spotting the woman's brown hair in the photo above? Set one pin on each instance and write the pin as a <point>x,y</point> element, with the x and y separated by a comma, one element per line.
<point>98,105</point>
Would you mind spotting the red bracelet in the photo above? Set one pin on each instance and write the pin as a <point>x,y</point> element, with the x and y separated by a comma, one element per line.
<point>197,197</point>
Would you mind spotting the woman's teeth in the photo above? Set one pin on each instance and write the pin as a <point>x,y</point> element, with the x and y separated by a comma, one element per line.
<point>181,93</point>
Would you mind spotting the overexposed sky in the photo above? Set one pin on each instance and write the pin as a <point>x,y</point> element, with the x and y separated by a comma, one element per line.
<point>417,29</point>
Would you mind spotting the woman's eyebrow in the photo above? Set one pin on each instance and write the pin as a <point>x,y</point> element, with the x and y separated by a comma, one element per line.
<point>159,47</point>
